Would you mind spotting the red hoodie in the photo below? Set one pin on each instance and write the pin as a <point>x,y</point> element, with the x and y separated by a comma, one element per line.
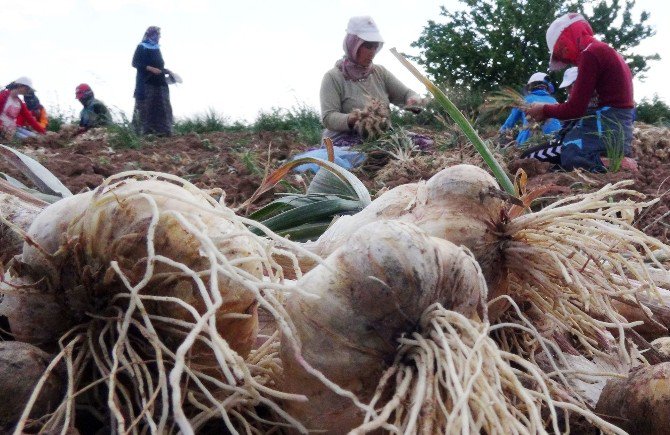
<point>24,117</point>
<point>602,72</point>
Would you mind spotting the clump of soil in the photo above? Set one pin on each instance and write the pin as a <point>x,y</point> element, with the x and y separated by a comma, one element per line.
<point>653,142</point>
<point>532,167</point>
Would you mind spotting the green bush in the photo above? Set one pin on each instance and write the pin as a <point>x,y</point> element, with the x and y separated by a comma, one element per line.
<point>208,122</point>
<point>274,120</point>
<point>655,111</point>
<point>58,118</point>
<point>430,116</point>
<point>467,99</point>
<point>302,119</point>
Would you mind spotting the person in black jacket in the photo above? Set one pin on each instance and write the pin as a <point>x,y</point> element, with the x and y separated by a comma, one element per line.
<point>153,111</point>
<point>95,113</point>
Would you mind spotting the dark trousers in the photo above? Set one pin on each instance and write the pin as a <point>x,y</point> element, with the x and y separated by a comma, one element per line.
<point>605,131</point>
<point>582,142</point>
<point>153,112</point>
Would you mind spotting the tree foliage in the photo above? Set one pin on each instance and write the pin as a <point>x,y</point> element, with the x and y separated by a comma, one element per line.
<point>489,43</point>
<point>655,111</point>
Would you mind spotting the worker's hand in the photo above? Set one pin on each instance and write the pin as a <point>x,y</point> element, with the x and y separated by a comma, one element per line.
<point>414,101</point>
<point>415,104</point>
<point>154,70</point>
<point>353,118</point>
<point>535,111</point>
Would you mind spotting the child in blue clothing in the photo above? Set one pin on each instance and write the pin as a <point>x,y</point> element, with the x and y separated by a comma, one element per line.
<point>538,90</point>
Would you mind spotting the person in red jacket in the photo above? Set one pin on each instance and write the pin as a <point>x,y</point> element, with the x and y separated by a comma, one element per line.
<point>606,125</point>
<point>13,111</point>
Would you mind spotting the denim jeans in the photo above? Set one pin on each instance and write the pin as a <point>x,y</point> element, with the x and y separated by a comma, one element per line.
<point>599,132</point>
<point>22,133</point>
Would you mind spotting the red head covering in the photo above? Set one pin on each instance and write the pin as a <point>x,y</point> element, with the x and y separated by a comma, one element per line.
<point>83,91</point>
<point>572,41</point>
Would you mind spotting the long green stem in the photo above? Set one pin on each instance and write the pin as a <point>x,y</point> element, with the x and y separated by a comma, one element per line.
<point>463,123</point>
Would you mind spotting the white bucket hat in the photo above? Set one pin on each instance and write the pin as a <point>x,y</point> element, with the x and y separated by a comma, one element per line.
<point>365,28</point>
<point>537,77</point>
<point>569,77</point>
<point>554,31</point>
<point>25,81</point>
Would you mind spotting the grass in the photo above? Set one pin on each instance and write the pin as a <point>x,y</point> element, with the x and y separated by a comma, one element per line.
<point>123,134</point>
<point>301,118</point>
<point>250,161</point>
<point>56,122</point>
<point>614,147</point>
<point>500,103</point>
<point>58,118</point>
<point>208,122</point>
<point>396,142</point>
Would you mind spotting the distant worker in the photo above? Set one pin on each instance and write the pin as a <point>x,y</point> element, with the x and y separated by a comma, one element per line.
<point>14,112</point>
<point>153,111</point>
<point>39,113</point>
<point>356,80</point>
<point>95,113</point>
<point>551,152</point>
<point>538,90</point>
<point>605,125</point>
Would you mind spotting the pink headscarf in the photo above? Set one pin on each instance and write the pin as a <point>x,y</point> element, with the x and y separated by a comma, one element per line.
<point>348,65</point>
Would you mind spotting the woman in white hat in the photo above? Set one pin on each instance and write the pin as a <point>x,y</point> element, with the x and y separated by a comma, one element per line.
<point>13,111</point>
<point>355,80</point>
<point>551,151</point>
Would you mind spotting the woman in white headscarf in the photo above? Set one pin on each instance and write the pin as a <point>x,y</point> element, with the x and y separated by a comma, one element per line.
<point>153,111</point>
<point>356,80</point>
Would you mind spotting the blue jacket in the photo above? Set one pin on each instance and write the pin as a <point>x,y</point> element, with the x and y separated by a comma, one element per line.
<point>550,125</point>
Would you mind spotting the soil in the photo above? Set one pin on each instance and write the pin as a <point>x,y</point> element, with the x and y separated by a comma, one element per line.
<point>237,162</point>
<point>234,162</point>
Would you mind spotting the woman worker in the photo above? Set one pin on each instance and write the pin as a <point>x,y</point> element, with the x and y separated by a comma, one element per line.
<point>356,80</point>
